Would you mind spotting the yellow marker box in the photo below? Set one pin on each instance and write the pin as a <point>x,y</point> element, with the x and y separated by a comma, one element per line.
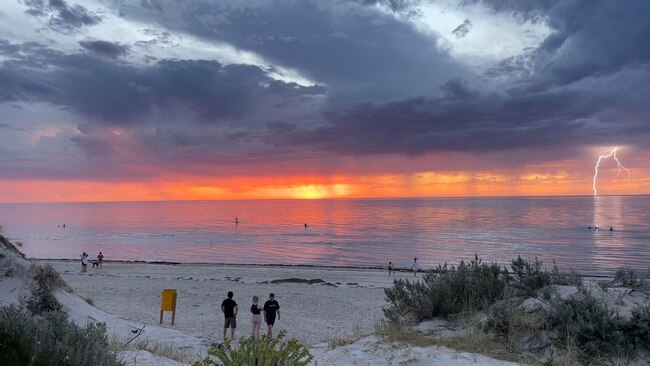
<point>168,303</point>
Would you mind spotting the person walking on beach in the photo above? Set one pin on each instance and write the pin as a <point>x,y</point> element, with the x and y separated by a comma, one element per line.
<point>271,307</point>
<point>256,310</point>
<point>229,309</point>
<point>84,262</point>
<point>100,260</point>
<point>390,268</point>
<point>415,266</point>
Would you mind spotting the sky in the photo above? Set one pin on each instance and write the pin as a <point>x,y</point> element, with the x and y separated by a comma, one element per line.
<point>122,100</point>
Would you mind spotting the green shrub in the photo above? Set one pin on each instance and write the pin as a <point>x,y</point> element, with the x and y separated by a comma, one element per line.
<point>42,300</point>
<point>639,326</point>
<point>528,277</point>
<point>626,277</point>
<point>595,330</point>
<point>259,352</point>
<point>571,278</point>
<point>468,287</point>
<point>51,339</point>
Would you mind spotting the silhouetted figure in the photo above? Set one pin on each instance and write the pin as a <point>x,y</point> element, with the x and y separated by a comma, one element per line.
<point>589,227</point>
<point>63,225</point>
<point>236,220</point>
<point>306,226</point>
<point>611,228</point>
<point>390,268</point>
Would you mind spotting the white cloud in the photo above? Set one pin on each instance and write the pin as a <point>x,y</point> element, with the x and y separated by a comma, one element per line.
<point>16,26</point>
<point>493,37</point>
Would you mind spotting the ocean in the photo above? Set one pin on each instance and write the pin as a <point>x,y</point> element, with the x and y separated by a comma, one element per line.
<point>345,232</point>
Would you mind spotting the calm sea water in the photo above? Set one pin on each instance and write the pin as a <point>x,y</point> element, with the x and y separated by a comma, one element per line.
<point>344,232</point>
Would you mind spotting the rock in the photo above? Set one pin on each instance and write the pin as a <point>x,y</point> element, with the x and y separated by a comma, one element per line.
<point>534,341</point>
<point>566,293</point>
<point>535,305</point>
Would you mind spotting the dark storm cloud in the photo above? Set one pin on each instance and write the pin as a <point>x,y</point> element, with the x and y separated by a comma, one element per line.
<point>61,15</point>
<point>389,88</point>
<point>105,48</point>
<point>590,38</point>
<point>466,120</point>
<point>359,52</point>
<point>119,94</point>
<point>586,84</point>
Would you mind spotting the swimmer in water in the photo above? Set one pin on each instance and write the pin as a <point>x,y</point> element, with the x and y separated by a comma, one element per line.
<point>611,228</point>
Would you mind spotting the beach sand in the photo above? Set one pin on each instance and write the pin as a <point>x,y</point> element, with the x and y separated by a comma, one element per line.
<point>318,305</point>
<point>346,301</point>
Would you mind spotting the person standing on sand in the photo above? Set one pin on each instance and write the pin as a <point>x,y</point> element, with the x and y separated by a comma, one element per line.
<point>390,268</point>
<point>84,262</point>
<point>415,266</point>
<point>271,307</point>
<point>100,260</point>
<point>229,309</point>
<point>256,310</point>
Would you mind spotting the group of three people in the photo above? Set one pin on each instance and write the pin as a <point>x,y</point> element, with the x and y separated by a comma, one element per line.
<point>271,310</point>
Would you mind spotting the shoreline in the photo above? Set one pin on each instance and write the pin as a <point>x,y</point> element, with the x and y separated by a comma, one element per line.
<point>288,266</point>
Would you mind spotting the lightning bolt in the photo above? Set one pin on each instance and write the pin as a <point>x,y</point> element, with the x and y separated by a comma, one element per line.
<point>610,154</point>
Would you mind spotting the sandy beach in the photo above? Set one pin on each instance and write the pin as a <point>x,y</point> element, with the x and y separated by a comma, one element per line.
<point>337,302</point>
<point>332,310</point>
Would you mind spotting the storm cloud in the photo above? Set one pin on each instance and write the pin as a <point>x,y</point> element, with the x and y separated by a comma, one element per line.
<point>217,84</point>
<point>61,15</point>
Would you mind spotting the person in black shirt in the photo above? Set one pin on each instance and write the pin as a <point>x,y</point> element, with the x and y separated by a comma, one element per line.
<point>271,307</point>
<point>229,309</point>
<point>256,310</point>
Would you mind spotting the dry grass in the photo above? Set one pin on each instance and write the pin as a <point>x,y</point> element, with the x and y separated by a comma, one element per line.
<point>357,334</point>
<point>47,277</point>
<point>472,342</point>
<point>7,244</point>
<point>162,349</point>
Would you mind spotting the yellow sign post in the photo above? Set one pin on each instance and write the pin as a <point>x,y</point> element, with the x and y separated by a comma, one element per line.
<point>168,303</point>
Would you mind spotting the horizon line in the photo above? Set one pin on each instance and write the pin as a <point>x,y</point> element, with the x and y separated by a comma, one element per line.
<point>328,198</point>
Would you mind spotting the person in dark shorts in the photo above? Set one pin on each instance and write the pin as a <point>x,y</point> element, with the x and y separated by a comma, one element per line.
<point>271,308</point>
<point>229,309</point>
<point>100,260</point>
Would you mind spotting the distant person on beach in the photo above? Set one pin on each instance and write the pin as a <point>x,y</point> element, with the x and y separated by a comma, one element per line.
<point>100,260</point>
<point>306,226</point>
<point>256,310</point>
<point>236,220</point>
<point>229,309</point>
<point>84,262</point>
<point>63,225</point>
<point>415,266</point>
<point>390,268</point>
<point>271,307</point>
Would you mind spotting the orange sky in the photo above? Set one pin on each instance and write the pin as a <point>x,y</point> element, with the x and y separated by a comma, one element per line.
<point>423,184</point>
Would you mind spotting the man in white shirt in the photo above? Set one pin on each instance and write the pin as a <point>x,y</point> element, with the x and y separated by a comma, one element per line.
<point>415,266</point>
